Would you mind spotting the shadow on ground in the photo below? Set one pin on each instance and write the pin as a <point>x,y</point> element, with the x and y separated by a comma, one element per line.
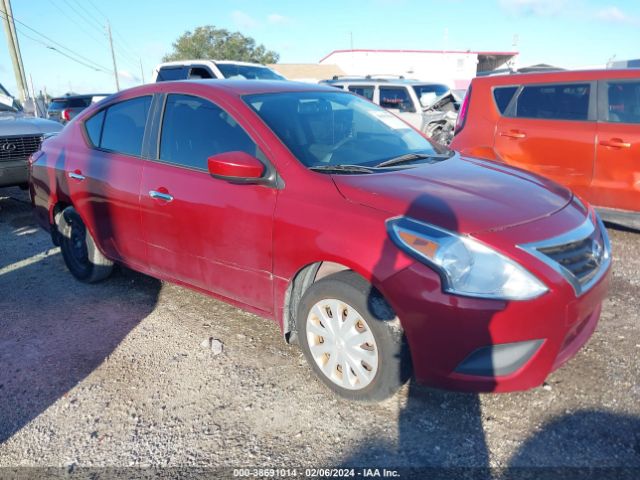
<point>53,336</point>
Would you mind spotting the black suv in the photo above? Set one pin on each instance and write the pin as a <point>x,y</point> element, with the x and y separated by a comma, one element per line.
<point>63,109</point>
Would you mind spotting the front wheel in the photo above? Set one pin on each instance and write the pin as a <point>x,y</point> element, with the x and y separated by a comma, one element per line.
<point>352,339</point>
<point>79,250</point>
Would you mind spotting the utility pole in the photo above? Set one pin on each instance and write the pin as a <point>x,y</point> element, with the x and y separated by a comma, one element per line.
<point>14,36</point>
<point>7,18</point>
<point>141,70</point>
<point>113,57</point>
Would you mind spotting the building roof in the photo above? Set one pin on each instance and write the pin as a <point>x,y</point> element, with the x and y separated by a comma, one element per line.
<point>476,52</point>
<point>297,71</point>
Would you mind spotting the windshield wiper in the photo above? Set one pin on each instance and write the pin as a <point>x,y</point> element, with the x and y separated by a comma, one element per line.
<point>411,157</point>
<point>342,168</point>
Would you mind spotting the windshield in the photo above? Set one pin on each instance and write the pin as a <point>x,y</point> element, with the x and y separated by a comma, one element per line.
<point>334,128</point>
<point>430,92</point>
<point>249,72</point>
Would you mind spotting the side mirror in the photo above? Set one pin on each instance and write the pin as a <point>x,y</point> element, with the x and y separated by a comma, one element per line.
<point>236,167</point>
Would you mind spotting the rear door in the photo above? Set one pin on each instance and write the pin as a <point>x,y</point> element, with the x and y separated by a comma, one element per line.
<point>616,181</point>
<point>104,179</point>
<point>550,129</point>
<point>199,230</point>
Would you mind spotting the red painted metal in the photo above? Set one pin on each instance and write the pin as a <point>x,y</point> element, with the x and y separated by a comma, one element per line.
<point>245,243</point>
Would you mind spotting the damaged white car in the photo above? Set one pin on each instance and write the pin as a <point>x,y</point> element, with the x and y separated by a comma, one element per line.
<point>430,107</point>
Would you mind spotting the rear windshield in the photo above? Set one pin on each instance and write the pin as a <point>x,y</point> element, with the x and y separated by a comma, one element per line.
<point>249,72</point>
<point>60,103</point>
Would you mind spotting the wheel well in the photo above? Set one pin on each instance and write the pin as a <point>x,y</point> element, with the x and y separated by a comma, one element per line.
<point>302,280</point>
<point>57,208</point>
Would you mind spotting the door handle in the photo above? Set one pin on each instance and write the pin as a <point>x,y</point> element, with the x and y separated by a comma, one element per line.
<point>160,196</point>
<point>615,143</point>
<point>76,175</point>
<point>513,134</point>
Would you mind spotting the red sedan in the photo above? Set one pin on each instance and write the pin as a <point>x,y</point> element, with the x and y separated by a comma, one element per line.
<point>380,253</point>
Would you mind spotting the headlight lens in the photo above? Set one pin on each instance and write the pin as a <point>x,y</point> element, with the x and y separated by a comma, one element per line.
<point>466,266</point>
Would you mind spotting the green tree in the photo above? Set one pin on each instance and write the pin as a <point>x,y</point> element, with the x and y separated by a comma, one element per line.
<point>213,43</point>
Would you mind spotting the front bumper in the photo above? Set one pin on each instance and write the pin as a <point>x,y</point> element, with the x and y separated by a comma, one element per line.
<point>444,331</point>
<point>14,172</point>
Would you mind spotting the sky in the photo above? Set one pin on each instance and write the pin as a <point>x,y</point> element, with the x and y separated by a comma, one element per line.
<point>566,33</point>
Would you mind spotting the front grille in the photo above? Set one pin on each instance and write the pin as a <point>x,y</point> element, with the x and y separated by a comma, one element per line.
<point>18,148</point>
<point>582,255</point>
<point>581,258</point>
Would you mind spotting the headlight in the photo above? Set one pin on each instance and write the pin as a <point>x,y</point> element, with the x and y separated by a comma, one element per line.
<point>466,266</point>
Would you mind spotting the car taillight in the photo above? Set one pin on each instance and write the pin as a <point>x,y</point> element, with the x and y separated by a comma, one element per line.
<point>66,114</point>
<point>462,114</point>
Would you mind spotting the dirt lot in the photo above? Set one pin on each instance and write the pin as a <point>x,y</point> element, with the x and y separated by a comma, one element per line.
<point>114,374</point>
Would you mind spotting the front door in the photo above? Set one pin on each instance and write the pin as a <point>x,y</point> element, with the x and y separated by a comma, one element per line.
<point>199,230</point>
<point>616,181</point>
<point>550,129</point>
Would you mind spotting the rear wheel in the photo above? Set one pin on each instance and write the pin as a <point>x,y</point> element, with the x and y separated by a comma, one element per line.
<point>352,339</point>
<point>79,250</point>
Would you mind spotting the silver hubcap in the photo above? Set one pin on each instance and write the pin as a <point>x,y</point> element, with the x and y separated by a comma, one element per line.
<point>342,344</point>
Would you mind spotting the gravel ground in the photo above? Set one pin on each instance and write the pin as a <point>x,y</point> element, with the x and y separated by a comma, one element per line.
<point>116,374</point>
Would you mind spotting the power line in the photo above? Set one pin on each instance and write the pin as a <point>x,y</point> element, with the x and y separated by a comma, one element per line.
<point>124,49</point>
<point>61,53</point>
<point>78,24</point>
<point>87,60</point>
<point>88,20</point>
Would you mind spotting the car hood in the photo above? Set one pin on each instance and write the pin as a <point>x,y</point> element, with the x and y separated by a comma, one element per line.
<point>20,124</point>
<point>461,194</point>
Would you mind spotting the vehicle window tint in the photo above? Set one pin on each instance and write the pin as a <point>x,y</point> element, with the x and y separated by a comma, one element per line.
<point>395,98</point>
<point>249,72</point>
<point>124,126</point>
<point>199,72</point>
<point>167,74</point>
<point>78,102</point>
<point>93,126</point>
<point>624,102</point>
<point>362,90</point>
<point>193,129</point>
<point>554,102</point>
<point>502,96</point>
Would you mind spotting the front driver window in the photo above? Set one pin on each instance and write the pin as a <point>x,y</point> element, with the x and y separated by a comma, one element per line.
<point>193,129</point>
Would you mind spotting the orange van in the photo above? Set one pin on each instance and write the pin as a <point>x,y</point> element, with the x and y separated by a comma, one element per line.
<point>579,128</point>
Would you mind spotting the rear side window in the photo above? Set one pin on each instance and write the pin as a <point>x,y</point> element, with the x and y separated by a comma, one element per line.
<point>123,128</point>
<point>624,102</point>
<point>166,74</point>
<point>363,91</point>
<point>395,98</point>
<point>554,102</point>
<point>199,72</point>
<point>93,126</point>
<point>502,96</point>
<point>193,129</point>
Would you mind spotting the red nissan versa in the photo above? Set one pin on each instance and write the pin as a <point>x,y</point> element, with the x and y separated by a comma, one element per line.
<point>373,248</point>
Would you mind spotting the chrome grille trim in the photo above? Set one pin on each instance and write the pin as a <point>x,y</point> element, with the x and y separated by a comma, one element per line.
<point>19,147</point>
<point>577,243</point>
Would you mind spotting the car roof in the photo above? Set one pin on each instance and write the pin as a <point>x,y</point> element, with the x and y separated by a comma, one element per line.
<point>385,81</point>
<point>178,63</point>
<point>234,87</point>
<point>84,95</point>
<point>557,76</point>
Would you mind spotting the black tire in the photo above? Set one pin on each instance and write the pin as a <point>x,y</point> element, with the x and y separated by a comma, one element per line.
<point>79,250</point>
<point>394,367</point>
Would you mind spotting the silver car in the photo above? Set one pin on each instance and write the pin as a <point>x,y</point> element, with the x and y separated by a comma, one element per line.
<point>20,136</point>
